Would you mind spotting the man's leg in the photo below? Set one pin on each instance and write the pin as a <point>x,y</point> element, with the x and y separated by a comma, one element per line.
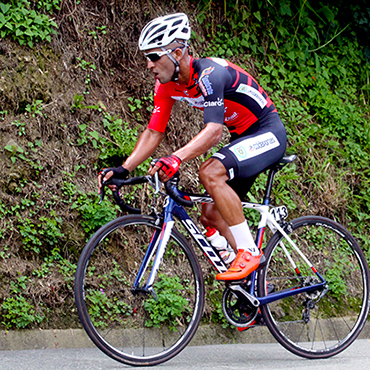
<point>210,217</point>
<point>213,176</point>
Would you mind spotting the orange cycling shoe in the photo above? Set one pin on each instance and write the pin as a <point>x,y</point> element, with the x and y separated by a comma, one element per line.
<point>241,267</point>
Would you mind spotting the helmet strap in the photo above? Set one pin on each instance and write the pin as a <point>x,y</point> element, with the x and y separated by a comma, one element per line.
<point>175,75</point>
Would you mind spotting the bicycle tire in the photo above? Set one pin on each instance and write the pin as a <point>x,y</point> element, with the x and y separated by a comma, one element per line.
<point>334,320</point>
<point>138,330</point>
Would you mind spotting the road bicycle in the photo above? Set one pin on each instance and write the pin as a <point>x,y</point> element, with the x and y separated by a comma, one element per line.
<point>140,292</point>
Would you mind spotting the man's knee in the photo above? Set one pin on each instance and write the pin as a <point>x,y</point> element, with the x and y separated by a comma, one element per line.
<point>212,171</point>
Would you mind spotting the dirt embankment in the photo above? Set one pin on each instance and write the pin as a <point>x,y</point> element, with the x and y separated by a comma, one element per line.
<point>53,99</point>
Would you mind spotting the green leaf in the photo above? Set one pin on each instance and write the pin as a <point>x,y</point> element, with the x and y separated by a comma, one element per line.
<point>38,20</point>
<point>29,33</point>
<point>258,16</point>
<point>4,8</point>
<point>9,26</point>
<point>95,135</point>
<point>10,148</point>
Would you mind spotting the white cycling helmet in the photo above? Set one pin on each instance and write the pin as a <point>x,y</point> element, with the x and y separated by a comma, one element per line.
<point>163,30</point>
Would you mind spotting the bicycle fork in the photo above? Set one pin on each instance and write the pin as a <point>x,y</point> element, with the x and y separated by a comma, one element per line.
<point>159,241</point>
<point>157,246</point>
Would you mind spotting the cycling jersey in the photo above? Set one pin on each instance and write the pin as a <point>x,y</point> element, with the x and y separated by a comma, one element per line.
<point>225,92</point>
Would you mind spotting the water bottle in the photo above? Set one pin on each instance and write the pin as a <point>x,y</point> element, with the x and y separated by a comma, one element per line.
<point>217,241</point>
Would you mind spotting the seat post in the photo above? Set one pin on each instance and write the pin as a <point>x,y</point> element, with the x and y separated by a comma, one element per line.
<point>270,179</point>
<point>275,168</point>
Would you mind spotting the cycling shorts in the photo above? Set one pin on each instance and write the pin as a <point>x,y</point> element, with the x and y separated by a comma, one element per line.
<point>249,154</point>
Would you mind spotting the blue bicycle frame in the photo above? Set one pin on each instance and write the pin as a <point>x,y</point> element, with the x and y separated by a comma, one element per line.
<point>160,238</point>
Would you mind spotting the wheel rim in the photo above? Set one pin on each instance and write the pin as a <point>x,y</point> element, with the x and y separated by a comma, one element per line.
<point>141,327</point>
<point>319,324</point>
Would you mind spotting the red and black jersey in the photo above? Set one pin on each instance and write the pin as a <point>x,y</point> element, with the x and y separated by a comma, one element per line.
<point>225,92</point>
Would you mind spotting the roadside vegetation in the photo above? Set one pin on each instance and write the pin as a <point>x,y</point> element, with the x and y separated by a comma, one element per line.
<point>75,95</point>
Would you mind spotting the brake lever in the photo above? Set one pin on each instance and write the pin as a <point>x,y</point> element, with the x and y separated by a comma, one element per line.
<point>102,190</point>
<point>102,193</point>
<point>156,184</point>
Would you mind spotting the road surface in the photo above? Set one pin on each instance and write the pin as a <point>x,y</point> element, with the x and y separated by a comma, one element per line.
<point>217,357</point>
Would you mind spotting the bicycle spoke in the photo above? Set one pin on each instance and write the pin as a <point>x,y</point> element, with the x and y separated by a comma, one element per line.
<point>135,326</point>
<point>322,322</point>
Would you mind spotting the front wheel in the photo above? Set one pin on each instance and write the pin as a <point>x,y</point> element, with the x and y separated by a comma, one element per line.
<point>322,323</point>
<point>134,326</point>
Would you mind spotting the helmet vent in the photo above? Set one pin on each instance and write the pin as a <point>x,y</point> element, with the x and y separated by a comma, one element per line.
<point>171,33</point>
<point>163,31</point>
<point>177,22</point>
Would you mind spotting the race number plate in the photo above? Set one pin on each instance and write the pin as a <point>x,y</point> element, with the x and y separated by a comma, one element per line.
<point>279,213</point>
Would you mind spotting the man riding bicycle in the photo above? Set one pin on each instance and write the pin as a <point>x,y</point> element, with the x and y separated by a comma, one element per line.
<point>229,96</point>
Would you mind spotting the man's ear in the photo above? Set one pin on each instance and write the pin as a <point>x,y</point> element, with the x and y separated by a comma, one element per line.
<point>178,54</point>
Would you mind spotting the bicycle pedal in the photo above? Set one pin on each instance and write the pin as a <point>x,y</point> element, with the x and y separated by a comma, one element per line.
<point>257,322</point>
<point>252,324</point>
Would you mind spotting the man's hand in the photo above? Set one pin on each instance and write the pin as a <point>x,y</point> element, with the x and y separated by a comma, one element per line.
<point>106,173</point>
<point>167,167</point>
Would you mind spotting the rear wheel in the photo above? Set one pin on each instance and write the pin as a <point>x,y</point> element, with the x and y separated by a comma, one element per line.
<point>137,327</point>
<point>324,322</point>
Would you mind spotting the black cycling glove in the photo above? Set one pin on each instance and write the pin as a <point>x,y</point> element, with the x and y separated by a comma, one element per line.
<point>118,172</point>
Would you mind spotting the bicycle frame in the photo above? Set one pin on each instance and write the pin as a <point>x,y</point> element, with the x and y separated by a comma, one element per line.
<point>144,266</point>
<point>172,208</point>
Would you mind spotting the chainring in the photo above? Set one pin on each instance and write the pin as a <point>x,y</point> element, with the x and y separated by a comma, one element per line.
<point>237,309</point>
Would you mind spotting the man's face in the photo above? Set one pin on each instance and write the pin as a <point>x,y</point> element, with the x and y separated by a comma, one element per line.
<point>163,68</point>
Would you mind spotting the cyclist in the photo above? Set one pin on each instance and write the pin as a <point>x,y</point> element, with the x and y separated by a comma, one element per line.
<point>229,96</point>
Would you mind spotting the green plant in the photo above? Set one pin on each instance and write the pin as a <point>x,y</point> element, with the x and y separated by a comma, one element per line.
<point>93,214</point>
<point>18,313</point>
<point>35,108</point>
<point>104,310</point>
<point>21,127</point>
<point>117,141</point>
<point>214,295</point>
<point>3,113</point>
<point>18,152</point>
<point>136,105</point>
<point>77,103</point>
<point>47,232</point>
<point>48,5</point>
<point>24,24</point>
<point>94,33</point>
<point>170,305</point>
<point>15,151</point>
<point>88,67</point>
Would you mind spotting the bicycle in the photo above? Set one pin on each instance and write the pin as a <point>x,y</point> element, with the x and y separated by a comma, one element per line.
<point>140,292</point>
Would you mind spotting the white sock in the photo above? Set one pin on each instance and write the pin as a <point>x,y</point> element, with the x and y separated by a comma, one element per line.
<point>244,239</point>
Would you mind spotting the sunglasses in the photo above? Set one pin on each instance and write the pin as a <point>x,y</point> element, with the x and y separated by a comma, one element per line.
<point>154,57</point>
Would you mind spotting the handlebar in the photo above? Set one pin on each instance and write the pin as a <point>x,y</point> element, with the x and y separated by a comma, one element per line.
<point>119,183</point>
<point>170,186</point>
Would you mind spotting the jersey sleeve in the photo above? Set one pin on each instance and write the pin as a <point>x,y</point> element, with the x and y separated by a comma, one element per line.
<point>212,82</point>
<point>162,109</point>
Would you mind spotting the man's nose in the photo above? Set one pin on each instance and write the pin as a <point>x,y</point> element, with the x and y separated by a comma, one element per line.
<point>149,64</point>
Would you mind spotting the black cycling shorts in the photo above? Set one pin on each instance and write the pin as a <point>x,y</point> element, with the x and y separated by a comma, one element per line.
<point>251,153</point>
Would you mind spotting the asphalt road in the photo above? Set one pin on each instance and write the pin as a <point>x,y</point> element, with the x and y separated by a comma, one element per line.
<point>216,357</point>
